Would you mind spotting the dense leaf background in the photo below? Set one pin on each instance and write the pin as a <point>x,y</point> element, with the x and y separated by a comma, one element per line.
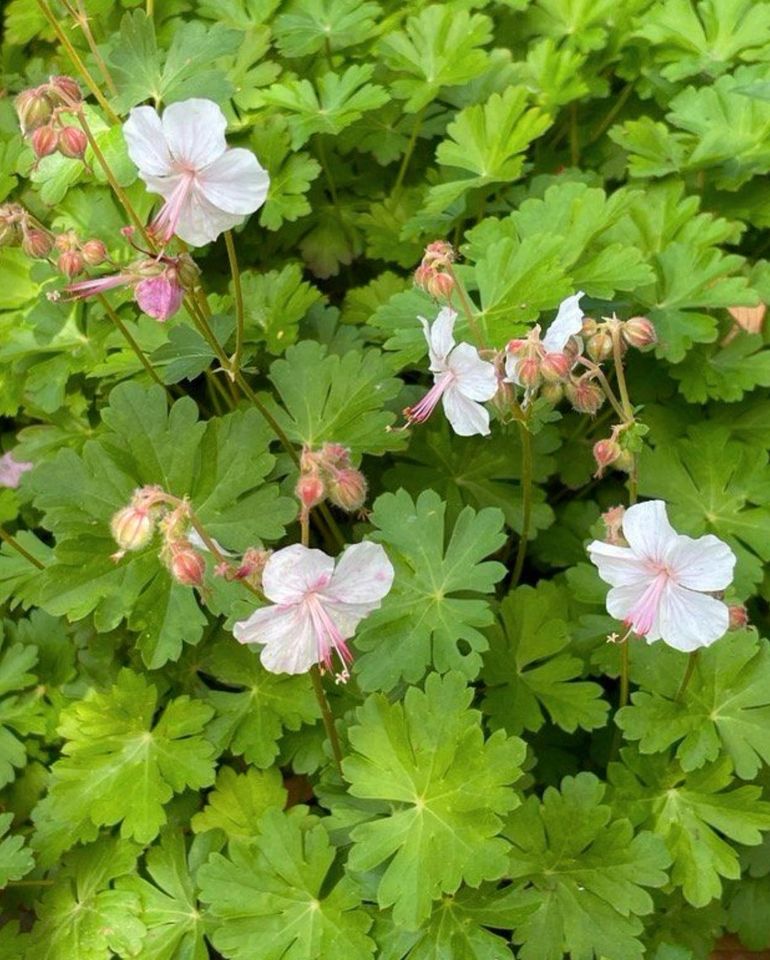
<point>162,796</point>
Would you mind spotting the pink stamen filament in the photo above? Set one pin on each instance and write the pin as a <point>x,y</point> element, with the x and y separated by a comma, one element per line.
<point>87,288</point>
<point>642,615</point>
<point>164,225</point>
<point>329,637</point>
<point>422,410</point>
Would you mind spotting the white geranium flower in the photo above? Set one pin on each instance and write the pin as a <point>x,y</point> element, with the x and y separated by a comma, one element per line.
<point>567,323</point>
<point>316,606</point>
<point>208,187</point>
<point>461,379</point>
<point>661,581</point>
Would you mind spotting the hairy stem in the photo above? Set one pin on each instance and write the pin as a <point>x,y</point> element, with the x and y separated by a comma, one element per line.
<point>326,714</point>
<point>527,463</point>
<point>405,160</point>
<point>14,543</point>
<point>81,18</point>
<point>692,663</point>
<point>239,313</point>
<point>467,307</point>
<point>113,315</point>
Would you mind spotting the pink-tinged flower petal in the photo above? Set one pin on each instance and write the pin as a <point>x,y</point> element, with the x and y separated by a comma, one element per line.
<point>623,599</point>
<point>146,143</point>
<point>703,564</point>
<point>235,183</point>
<point>200,222</point>
<point>617,565</point>
<point>288,641</point>
<point>568,323</point>
<point>363,575</point>
<point>475,378</point>
<point>512,369</point>
<point>163,186</point>
<point>648,532</point>
<point>158,297</point>
<point>195,132</point>
<point>441,338</point>
<point>11,470</point>
<point>690,620</point>
<point>293,571</point>
<point>466,417</point>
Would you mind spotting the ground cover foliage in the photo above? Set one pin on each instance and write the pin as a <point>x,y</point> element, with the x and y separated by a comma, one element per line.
<point>163,795</point>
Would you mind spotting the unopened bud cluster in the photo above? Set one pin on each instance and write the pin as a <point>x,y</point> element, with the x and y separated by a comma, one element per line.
<point>40,111</point>
<point>434,275</point>
<point>599,337</point>
<point>74,255</point>
<point>18,228</point>
<point>328,474</point>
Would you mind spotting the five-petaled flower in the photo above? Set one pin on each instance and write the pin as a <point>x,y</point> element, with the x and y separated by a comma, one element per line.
<point>208,187</point>
<point>662,580</point>
<point>316,606</point>
<point>461,379</point>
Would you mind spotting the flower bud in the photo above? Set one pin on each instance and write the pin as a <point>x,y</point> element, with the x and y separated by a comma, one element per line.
<point>11,219</point>
<point>72,142</point>
<point>333,456</point>
<point>590,326</point>
<point>347,489</point>
<point>439,253</point>
<point>606,453</point>
<point>639,332</point>
<point>555,366</point>
<point>599,346</point>
<point>67,241</point>
<point>187,567</point>
<point>65,89</point>
<point>33,109</point>
<point>515,347</point>
<point>94,252</point>
<point>613,526</point>
<point>159,297</point>
<point>44,141</point>
<point>529,372</point>
<point>37,243</point>
<point>739,616</point>
<point>132,527</point>
<point>552,393</point>
<point>71,263</point>
<point>440,285</point>
<point>585,396</point>
<point>188,272</point>
<point>252,565</point>
<point>422,275</point>
<point>310,490</point>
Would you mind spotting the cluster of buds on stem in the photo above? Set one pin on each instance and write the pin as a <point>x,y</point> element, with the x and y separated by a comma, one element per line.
<point>159,284</point>
<point>18,228</point>
<point>610,452</point>
<point>600,337</point>
<point>75,255</point>
<point>435,275</point>
<point>40,112</point>
<point>329,474</point>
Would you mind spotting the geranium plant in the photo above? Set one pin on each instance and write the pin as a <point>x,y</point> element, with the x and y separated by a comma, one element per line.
<point>384,501</point>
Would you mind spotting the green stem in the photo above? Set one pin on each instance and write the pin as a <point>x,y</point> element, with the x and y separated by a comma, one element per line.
<point>628,410</point>
<point>624,671</point>
<point>527,462</point>
<point>609,392</point>
<point>113,315</point>
<point>692,662</point>
<point>326,714</point>
<point>467,307</point>
<point>81,18</point>
<point>612,113</point>
<point>239,312</point>
<point>408,154</point>
<point>13,542</point>
<point>574,136</point>
<point>150,8</point>
<point>77,61</point>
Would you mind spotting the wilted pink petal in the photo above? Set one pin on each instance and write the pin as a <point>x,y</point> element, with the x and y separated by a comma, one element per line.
<point>159,297</point>
<point>749,319</point>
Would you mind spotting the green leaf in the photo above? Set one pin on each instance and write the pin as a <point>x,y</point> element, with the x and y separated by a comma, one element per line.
<point>15,859</point>
<point>114,743</point>
<point>20,706</point>
<point>291,174</point>
<point>695,815</point>
<point>275,302</point>
<point>441,790</point>
<point>527,671</point>
<point>278,893</point>
<point>307,26</point>
<point>333,104</point>
<point>438,48</point>
<point>590,871</point>
<point>82,916</point>
<point>220,465</point>
<point>749,912</point>
<point>169,907</point>
<point>141,71</point>
<point>335,399</point>
<point>714,484</point>
<point>725,708</point>
<point>423,621</point>
<point>724,372</point>
<point>251,716</point>
<point>238,801</point>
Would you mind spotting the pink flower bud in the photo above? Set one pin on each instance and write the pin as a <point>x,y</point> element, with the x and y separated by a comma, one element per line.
<point>67,241</point>
<point>94,252</point>
<point>71,263</point>
<point>347,489</point>
<point>333,456</point>
<point>440,286</point>
<point>72,142</point>
<point>739,616</point>
<point>132,527</point>
<point>37,243</point>
<point>310,490</point>
<point>639,332</point>
<point>252,565</point>
<point>613,526</point>
<point>585,396</point>
<point>33,109</point>
<point>599,346</point>
<point>187,567</point>
<point>11,219</point>
<point>555,366</point>
<point>44,141</point>
<point>514,347</point>
<point>422,275</point>
<point>65,89</point>
<point>159,297</point>
<point>606,452</point>
<point>529,372</point>
<point>439,253</point>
